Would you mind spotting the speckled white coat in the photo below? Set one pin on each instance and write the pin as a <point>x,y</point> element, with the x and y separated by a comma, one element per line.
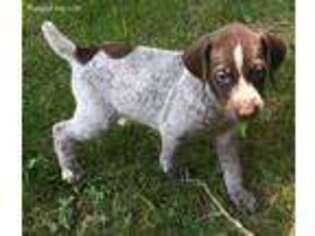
<point>150,86</point>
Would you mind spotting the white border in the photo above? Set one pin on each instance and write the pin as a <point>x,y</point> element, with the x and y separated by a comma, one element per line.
<point>10,118</point>
<point>305,118</point>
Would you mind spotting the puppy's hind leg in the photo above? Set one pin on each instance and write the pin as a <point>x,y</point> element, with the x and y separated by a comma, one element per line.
<point>65,133</point>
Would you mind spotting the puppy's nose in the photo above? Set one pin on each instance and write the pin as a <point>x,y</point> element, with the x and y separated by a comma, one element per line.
<point>248,110</point>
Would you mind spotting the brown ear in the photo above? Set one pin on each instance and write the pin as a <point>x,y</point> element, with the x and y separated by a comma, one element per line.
<point>275,49</point>
<point>197,57</point>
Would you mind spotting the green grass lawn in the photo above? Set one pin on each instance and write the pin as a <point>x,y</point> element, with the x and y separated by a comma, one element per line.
<point>125,192</point>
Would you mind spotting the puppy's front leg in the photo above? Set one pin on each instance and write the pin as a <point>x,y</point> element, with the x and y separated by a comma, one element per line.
<point>168,149</point>
<point>226,146</point>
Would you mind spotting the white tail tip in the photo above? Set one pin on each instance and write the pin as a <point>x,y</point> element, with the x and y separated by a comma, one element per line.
<point>61,45</point>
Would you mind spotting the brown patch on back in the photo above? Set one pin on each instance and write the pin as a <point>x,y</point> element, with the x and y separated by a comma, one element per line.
<point>114,50</point>
<point>84,55</point>
<point>117,50</point>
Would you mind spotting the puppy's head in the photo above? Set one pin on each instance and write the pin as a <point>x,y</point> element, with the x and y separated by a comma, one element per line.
<point>235,61</point>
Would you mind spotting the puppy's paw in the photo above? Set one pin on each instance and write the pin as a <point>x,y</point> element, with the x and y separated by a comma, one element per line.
<point>243,199</point>
<point>71,177</point>
<point>172,173</point>
<point>170,170</point>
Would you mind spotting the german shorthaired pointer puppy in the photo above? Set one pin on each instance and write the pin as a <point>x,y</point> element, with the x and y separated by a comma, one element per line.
<point>214,80</point>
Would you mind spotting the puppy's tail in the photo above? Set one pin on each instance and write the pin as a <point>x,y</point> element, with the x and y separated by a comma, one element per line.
<point>60,44</point>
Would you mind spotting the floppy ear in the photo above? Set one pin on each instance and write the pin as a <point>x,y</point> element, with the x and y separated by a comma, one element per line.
<point>197,57</point>
<point>274,49</point>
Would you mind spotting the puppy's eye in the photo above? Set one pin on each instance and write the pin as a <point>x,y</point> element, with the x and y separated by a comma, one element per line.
<point>223,78</point>
<point>258,74</point>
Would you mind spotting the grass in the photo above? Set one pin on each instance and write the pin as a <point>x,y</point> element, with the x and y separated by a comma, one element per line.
<point>125,192</point>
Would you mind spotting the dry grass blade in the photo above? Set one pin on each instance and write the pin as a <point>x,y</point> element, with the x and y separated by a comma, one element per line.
<point>221,209</point>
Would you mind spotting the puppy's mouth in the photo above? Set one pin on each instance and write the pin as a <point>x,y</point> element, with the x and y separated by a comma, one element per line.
<point>245,112</point>
<point>232,118</point>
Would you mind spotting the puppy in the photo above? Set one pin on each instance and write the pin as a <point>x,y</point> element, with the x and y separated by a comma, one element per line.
<point>216,79</point>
